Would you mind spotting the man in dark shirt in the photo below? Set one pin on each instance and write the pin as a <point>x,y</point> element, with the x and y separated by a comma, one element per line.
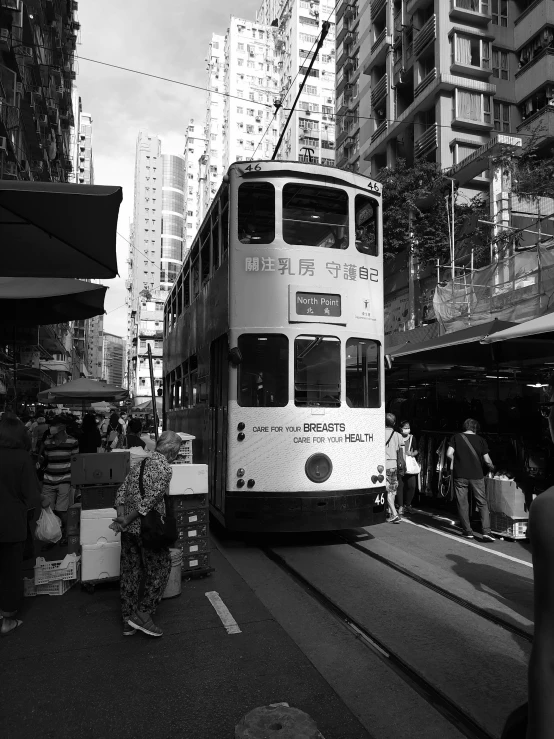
<point>134,427</point>
<point>466,451</point>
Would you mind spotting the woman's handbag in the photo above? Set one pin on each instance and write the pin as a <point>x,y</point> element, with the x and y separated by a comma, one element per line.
<point>400,461</point>
<point>156,531</point>
<point>412,465</point>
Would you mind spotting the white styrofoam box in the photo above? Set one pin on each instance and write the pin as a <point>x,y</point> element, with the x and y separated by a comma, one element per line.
<point>95,527</point>
<point>188,479</point>
<point>99,562</point>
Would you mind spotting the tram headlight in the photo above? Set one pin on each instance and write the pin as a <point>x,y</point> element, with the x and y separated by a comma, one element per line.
<point>240,483</point>
<point>380,478</point>
<point>380,468</point>
<point>240,472</point>
<point>251,483</point>
<point>240,426</point>
<point>318,467</point>
<point>374,479</point>
<point>240,437</point>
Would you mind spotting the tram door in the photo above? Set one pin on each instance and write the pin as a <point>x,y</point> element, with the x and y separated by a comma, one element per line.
<point>219,386</point>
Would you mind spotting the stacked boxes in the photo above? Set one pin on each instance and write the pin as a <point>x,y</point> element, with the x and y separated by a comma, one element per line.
<point>506,501</point>
<point>98,476</point>
<point>185,452</point>
<point>53,578</point>
<point>188,501</point>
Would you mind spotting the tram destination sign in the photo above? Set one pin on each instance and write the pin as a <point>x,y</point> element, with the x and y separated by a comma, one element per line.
<point>318,304</point>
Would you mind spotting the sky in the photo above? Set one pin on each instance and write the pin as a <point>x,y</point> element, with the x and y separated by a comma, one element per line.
<point>169,38</point>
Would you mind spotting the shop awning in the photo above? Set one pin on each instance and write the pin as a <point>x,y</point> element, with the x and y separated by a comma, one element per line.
<point>33,301</point>
<point>457,348</point>
<point>542,328</point>
<point>58,230</point>
<point>82,390</point>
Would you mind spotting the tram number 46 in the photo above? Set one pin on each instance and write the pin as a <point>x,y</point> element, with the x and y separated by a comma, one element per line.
<point>380,499</point>
<point>250,168</point>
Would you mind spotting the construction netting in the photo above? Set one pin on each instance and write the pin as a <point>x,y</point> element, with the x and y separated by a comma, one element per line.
<point>514,289</point>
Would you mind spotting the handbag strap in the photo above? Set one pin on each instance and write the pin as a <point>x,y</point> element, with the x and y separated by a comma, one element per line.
<point>464,437</point>
<point>141,477</point>
<point>390,437</point>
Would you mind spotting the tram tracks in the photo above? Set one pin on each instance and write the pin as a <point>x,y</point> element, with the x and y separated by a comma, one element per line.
<point>437,698</point>
<point>463,602</point>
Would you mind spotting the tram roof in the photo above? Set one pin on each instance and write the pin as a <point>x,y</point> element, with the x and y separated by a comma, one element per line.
<point>282,166</point>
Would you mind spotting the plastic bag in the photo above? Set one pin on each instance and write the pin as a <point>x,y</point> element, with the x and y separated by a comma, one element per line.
<point>48,526</point>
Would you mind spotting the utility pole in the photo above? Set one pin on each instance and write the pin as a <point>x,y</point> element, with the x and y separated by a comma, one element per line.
<point>324,31</point>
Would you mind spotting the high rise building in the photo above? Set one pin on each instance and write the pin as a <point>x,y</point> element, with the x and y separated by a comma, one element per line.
<point>443,79</point>
<point>211,168</point>
<point>173,218</point>
<point>195,149</point>
<point>113,359</point>
<point>149,332</point>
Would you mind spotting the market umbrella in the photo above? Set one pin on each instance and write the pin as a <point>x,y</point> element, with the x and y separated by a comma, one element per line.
<point>543,326</point>
<point>532,341</point>
<point>58,229</point>
<point>79,391</point>
<point>32,301</point>
<point>147,405</point>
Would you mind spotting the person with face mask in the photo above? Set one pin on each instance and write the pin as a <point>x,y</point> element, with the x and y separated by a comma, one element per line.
<point>407,482</point>
<point>58,450</point>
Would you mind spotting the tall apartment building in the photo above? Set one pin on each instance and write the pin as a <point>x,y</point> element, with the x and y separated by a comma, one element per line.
<point>113,359</point>
<point>211,165</point>
<point>441,79</point>
<point>310,135</point>
<point>173,218</point>
<point>149,332</point>
<point>195,150</point>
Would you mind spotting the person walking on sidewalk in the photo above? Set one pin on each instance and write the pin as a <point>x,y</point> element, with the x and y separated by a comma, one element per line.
<point>408,481</point>
<point>19,492</point>
<point>137,562</point>
<point>395,450</point>
<point>467,452</point>
<point>58,450</point>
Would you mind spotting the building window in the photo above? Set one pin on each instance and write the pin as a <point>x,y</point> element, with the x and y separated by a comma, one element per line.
<point>471,106</point>
<point>239,110</point>
<point>500,64</point>
<point>240,47</point>
<point>310,90</point>
<point>240,62</point>
<point>470,51</point>
<point>501,116</point>
<point>500,13</point>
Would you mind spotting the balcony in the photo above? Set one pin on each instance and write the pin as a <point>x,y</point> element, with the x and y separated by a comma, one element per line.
<point>380,90</point>
<point>350,11</point>
<point>541,124</point>
<point>471,11</point>
<point>429,78</point>
<point>341,104</point>
<point>351,63</point>
<point>425,35</point>
<point>379,131</point>
<point>376,6</point>
<point>378,51</point>
<point>426,143</point>
<point>532,20</point>
<point>413,5</point>
<point>535,75</point>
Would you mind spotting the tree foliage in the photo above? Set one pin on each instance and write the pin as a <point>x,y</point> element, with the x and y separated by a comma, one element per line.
<point>417,211</point>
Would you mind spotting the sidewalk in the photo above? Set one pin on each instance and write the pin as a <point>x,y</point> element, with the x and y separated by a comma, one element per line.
<point>69,672</point>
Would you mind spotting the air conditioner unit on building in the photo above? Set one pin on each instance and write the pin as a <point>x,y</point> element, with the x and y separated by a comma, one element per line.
<point>3,144</point>
<point>26,51</point>
<point>258,120</point>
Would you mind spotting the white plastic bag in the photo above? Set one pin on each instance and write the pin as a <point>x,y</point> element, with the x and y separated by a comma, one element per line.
<point>48,526</point>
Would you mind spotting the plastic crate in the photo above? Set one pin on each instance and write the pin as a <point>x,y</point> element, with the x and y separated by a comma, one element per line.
<point>195,562</point>
<point>186,533</point>
<point>94,497</point>
<point>192,517</point>
<point>194,546</point>
<point>512,528</point>
<point>62,569</point>
<point>55,587</point>
<point>178,503</point>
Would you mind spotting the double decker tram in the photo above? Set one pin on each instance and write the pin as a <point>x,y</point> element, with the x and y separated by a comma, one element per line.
<point>273,351</point>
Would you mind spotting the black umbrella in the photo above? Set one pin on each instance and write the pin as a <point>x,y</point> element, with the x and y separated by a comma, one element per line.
<point>58,230</point>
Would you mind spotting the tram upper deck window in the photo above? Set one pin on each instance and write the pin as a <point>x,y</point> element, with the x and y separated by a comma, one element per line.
<point>363,373</point>
<point>317,371</point>
<point>263,376</point>
<point>366,225</point>
<point>256,213</point>
<point>315,216</point>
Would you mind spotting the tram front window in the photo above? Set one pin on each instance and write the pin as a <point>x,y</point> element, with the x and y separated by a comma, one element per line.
<point>317,371</point>
<point>256,213</point>
<point>263,376</point>
<point>362,373</point>
<point>315,216</point>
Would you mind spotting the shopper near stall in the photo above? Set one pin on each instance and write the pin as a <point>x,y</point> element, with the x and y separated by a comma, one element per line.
<point>37,433</point>
<point>468,452</point>
<point>58,450</point>
<point>407,482</point>
<point>90,439</point>
<point>394,446</point>
<point>19,493</point>
<point>138,563</point>
<point>134,428</point>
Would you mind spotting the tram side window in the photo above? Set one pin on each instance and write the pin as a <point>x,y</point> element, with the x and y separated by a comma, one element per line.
<point>363,373</point>
<point>256,213</point>
<point>366,210</point>
<point>263,376</point>
<point>317,371</point>
<point>315,216</point>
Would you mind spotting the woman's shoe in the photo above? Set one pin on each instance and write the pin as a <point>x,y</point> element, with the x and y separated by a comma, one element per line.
<point>395,519</point>
<point>128,630</point>
<point>144,623</point>
<point>15,623</point>
<point>401,510</point>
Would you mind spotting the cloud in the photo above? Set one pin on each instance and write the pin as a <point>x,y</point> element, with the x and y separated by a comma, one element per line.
<point>169,39</point>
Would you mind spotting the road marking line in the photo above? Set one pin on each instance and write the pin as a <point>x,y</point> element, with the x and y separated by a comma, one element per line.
<point>468,543</point>
<point>223,612</point>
